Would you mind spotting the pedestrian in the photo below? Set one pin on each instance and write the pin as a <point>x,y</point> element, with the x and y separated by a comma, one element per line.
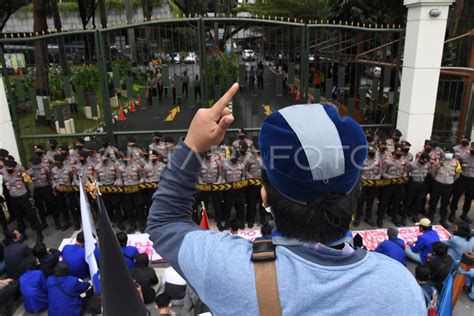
<point>185,84</point>
<point>251,79</point>
<point>61,177</point>
<point>440,264</point>
<point>234,171</point>
<point>48,258</point>
<point>464,184</point>
<point>394,139</point>
<point>152,170</point>
<point>422,274</point>
<point>197,88</point>
<point>33,287</point>
<point>461,241</point>
<point>145,276</point>
<point>260,72</point>
<point>74,255</point>
<point>15,252</point>
<point>312,204</point>
<point>416,191</point>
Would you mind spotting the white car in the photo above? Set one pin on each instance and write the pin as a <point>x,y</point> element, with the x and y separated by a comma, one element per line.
<point>176,58</point>
<point>248,54</point>
<point>191,58</point>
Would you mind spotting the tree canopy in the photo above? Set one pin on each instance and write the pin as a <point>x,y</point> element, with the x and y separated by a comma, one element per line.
<point>8,7</point>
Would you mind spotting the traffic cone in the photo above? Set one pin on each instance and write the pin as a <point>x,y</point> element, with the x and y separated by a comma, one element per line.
<point>132,106</point>
<point>139,102</point>
<point>122,116</point>
<point>298,96</point>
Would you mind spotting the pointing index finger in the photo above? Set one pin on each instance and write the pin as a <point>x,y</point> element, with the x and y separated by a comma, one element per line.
<point>220,105</point>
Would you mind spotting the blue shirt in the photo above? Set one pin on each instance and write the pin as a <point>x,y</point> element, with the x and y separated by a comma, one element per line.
<point>458,245</point>
<point>33,290</point>
<point>129,254</point>
<point>423,244</point>
<point>392,250</point>
<point>218,266</point>
<point>74,255</point>
<point>63,295</point>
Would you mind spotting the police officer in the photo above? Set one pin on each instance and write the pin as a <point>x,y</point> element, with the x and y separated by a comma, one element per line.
<point>234,171</point>
<point>463,148</point>
<point>130,174</point>
<point>466,181</point>
<point>53,145</point>
<point>416,190</point>
<point>39,151</point>
<point>153,169</point>
<point>21,191</point>
<point>242,135</point>
<point>211,173</point>
<point>133,152</point>
<point>444,173</point>
<point>370,170</point>
<point>108,149</point>
<point>169,147</point>
<point>252,171</point>
<point>406,151</point>
<point>158,145</point>
<point>382,154</point>
<point>43,192</point>
<point>78,145</point>
<point>61,176</point>
<point>395,138</point>
<point>370,138</point>
<point>106,174</point>
<point>391,194</point>
<point>93,157</point>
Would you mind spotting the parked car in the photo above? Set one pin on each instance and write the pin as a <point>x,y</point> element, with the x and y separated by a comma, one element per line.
<point>191,58</point>
<point>176,58</point>
<point>248,54</point>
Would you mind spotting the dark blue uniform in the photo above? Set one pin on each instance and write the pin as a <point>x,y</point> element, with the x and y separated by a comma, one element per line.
<point>393,248</point>
<point>34,292</point>
<point>64,295</point>
<point>14,253</point>
<point>74,255</point>
<point>47,263</point>
<point>129,254</point>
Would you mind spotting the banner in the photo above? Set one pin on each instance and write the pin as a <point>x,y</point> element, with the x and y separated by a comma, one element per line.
<point>249,234</point>
<point>372,238</point>
<point>141,241</point>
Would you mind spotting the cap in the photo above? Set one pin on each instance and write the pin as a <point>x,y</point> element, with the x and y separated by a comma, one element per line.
<point>131,140</point>
<point>80,140</point>
<point>382,141</point>
<point>425,222</point>
<point>309,150</point>
<point>241,130</point>
<point>91,146</point>
<point>3,152</point>
<point>11,163</point>
<point>397,132</point>
<point>39,147</point>
<point>64,147</point>
<point>53,141</point>
<point>59,158</point>
<point>405,143</point>
<point>448,148</point>
<point>83,153</point>
<point>156,134</point>
<point>35,160</point>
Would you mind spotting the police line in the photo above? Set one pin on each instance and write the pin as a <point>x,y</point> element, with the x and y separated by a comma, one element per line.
<point>218,187</point>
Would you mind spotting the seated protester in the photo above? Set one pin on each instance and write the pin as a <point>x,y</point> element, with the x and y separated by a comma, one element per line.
<point>192,304</point>
<point>74,256</point>
<point>9,292</point>
<point>129,252</point>
<point>394,247</point>
<point>420,250</point>
<point>145,276</point>
<point>33,287</point>
<point>163,305</point>
<point>440,264</point>
<point>266,231</point>
<point>48,258</point>
<point>64,292</point>
<point>461,241</point>
<point>422,275</point>
<point>312,205</point>
<point>175,285</point>
<point>15,252</point>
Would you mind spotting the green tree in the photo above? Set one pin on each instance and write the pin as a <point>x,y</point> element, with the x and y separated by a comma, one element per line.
<point>306,10</point>
<point>8,7</point>
<point>368,11</point>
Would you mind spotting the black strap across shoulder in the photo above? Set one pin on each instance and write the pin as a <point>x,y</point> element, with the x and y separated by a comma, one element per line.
<point>263,250</point>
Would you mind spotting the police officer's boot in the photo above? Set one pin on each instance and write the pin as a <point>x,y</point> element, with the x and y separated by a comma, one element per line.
<point>356,221</point>
<point>465,218</point>
<point>57,225</point>
<point>39,236</point>
<point>452,216</point>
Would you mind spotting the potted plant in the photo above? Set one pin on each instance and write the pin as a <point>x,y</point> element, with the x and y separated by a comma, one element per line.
<point>56,92</point>
<point>87,76</point>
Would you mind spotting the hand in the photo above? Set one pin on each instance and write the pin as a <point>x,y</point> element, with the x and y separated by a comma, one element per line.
<point>208,126</point>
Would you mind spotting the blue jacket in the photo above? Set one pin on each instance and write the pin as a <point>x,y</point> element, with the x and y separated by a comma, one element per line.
<point>311,281</point>
<point>74,255</point>
<point>33,290</point>
<point>392,250</point>
<point>458,245</point>
<point>63,295</point>
<point>14,253</point>
<point>423,244</point>
<point>129,254</point>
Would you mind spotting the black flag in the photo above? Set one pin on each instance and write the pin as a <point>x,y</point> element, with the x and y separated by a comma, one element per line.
<point>119,295</point>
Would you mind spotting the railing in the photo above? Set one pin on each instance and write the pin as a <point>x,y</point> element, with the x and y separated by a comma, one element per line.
<point>76,83</point>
